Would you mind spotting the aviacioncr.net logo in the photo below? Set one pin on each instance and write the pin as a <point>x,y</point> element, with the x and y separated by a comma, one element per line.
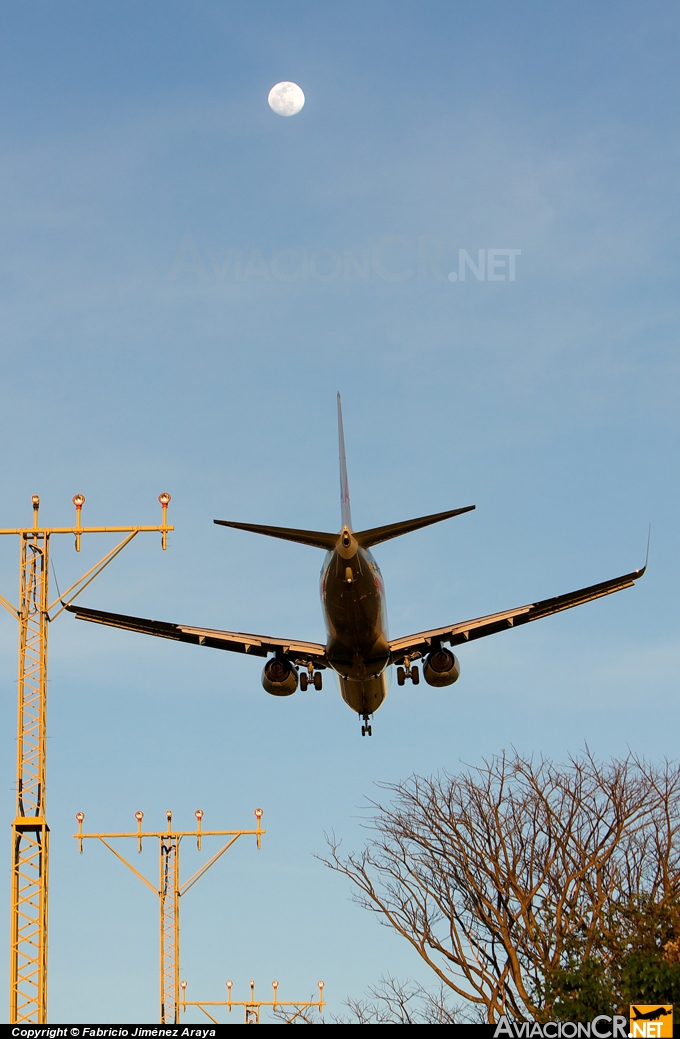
<point>651,1020</point>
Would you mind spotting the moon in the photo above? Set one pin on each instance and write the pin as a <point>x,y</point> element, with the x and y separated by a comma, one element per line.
<point>286,98</point>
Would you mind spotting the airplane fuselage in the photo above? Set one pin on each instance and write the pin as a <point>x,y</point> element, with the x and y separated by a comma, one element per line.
<point>353,602</point>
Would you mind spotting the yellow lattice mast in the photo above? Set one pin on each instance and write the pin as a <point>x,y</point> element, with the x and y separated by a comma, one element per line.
<point>30,832</point>
<point>170,890</point>
<point>169,894</point>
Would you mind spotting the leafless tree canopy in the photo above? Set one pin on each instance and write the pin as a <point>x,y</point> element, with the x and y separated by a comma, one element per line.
<point>496,875</point>
<point>393,1002</point>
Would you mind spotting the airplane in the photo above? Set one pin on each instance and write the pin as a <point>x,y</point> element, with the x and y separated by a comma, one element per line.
<point>357,648</point>
<point>652,1015</point>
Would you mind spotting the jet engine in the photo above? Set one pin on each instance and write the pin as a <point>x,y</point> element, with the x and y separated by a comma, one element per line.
<point>441,667</point>
<point>279,677</point>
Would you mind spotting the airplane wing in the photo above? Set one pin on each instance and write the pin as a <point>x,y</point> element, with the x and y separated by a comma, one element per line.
<point>466,631</point>
<point>236,641</point>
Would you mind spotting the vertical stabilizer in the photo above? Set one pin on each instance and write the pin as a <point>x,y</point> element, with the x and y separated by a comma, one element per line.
<point>344,486</point>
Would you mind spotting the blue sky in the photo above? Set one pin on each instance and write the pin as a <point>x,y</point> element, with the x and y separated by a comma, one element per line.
<point>186,281</point>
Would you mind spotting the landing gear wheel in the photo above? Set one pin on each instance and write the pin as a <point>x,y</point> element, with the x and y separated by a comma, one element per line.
<point>369,730</point>
<point>318,680</point>
<point>304,681</point>
<point>415,675</point>
<point>363,730</point>
<point>401,676</point>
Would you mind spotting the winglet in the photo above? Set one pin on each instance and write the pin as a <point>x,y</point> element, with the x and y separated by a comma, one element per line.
<point>346,514</point>
<point>643,569</point>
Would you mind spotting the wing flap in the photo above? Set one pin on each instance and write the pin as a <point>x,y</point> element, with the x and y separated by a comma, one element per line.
<point>479,627</point>
<point>235,641</point>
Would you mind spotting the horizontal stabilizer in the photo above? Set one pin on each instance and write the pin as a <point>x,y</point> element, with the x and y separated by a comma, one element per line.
<point>317,538</point>
<point>367,538</point>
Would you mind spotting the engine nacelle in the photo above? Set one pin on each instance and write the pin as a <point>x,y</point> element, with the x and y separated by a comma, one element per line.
<point>441,667</point>
<point>279,677</point>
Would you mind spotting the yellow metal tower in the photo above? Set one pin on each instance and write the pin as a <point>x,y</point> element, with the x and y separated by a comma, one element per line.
<point>170,890</point>
<point>30,832</point>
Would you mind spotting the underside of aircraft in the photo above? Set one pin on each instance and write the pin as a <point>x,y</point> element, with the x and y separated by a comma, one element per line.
<point>352,595</point>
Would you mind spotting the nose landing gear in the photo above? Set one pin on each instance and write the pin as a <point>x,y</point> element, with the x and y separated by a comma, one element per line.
<point>311,677</point>
<point>366,729</point>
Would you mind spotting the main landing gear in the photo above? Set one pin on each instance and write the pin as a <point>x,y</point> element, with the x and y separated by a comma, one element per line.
<point>311,678</point>
<point>407,672</point>
<point>366,729</point>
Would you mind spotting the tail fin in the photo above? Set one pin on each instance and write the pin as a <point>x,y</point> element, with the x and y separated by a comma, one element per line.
<point>327,540</point>
<point>346,514</point>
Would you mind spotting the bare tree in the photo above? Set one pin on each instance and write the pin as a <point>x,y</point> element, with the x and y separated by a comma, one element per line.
<point>394,1002</point>
<point>498,876</point>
